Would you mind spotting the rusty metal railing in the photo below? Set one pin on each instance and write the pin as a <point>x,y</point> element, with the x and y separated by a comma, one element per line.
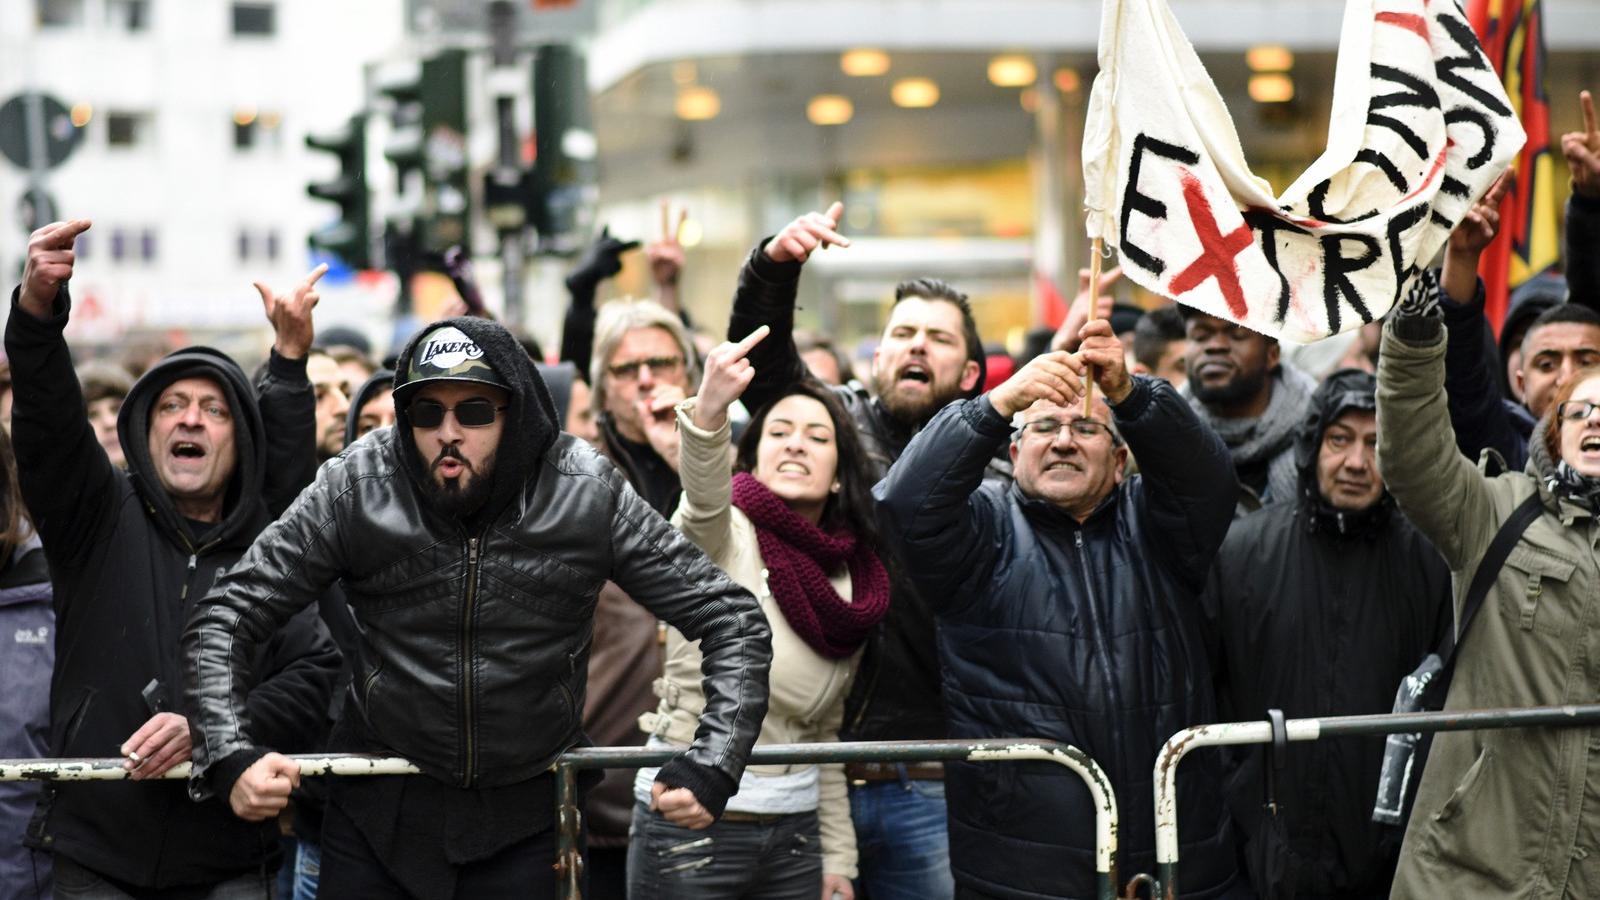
<point>569,865</point>
<point>1233,733</point>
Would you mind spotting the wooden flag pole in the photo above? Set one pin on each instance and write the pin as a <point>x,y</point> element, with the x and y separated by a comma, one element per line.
<point>1095,250</point>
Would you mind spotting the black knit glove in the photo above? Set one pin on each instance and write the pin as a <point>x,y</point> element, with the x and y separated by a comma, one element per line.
<point>712,787</point>
<point>1418,318</point>
<point>602,260</point>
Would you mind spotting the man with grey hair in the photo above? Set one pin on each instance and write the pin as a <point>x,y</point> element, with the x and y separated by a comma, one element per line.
<point>644,365</point>
<point>1067,610</point>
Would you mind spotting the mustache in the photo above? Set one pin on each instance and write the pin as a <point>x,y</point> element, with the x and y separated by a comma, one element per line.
<point>449,452</point>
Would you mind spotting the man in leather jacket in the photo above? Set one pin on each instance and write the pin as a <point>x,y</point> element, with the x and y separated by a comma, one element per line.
<point>471,541</point>
<point>1067,607</point>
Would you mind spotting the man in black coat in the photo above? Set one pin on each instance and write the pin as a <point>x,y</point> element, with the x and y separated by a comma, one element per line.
<point>1068,610</point>
<point>471,541</point>
<point>129,555</point>
<point>1319,608</point>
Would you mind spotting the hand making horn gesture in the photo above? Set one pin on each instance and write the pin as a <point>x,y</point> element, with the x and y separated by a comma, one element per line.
<point>728,373</point>
<point>49,265</point>
<point>290,314</point>
<point>807,234</point>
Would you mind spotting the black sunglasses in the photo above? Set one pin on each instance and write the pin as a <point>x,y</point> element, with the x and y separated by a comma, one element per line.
<point>469,413</point>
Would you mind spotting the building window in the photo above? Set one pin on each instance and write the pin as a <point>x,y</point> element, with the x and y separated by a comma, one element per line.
<point>148,247</point>
<point>272,246</point>
<point>255,19</point>
<point>119,245</point>
<point>59,13</point>
<point>129,15</point>
<point>126,129</point>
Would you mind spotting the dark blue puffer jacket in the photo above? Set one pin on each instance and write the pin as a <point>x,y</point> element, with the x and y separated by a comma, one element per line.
<point>1082,633</point>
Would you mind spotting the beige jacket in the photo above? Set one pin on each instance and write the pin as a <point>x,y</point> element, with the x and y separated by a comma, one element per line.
<point>1499,813</point>
<point>806,703</point>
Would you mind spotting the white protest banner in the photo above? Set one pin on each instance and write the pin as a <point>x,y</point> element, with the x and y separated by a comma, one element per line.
<point>1420,129</point>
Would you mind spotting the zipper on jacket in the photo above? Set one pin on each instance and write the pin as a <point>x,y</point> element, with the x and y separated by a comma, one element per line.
<point>188,574</point>
<point>1102,652</point>
<point>466,659</point>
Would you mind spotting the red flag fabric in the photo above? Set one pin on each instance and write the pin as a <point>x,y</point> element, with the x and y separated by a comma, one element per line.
<point>1512,34</point>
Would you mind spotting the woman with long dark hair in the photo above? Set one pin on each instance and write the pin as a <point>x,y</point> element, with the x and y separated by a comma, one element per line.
<point>793,524</point>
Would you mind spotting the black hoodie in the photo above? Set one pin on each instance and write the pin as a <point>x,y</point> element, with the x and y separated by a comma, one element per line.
<point>126,568</point>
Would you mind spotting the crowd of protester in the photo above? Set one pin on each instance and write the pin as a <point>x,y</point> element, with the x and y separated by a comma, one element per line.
<point>474,557</point>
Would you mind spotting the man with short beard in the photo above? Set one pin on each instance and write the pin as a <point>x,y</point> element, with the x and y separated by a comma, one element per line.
<point>328,379</point>
<point>471,540</point>
<point>928,356</point>
<point>1249,397</point>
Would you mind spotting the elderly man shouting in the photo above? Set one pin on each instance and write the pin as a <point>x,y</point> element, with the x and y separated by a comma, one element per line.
<point>1067,610</point>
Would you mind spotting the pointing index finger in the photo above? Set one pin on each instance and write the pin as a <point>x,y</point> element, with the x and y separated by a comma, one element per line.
<point>62,235</point>
<point>315,276</point>
<point>1589,124</point>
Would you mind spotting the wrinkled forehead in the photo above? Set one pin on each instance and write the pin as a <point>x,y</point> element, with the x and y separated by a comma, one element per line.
<point>920,313</point>
<point>646,342</point>
<point>195,387</point>
<point>1099,411</point>
<point>320,367</point>
<point>1360,421</point>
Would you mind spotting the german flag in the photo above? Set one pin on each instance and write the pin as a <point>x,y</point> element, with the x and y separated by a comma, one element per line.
<point>1512,34</point>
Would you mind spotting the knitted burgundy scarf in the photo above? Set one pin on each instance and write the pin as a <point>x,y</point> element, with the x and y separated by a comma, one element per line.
<point>798,556</point>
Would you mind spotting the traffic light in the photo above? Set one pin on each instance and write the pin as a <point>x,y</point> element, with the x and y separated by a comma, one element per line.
<point>404,146</point>
<point>562,186</point>
<point>349,238</point>
<point>446,203</point>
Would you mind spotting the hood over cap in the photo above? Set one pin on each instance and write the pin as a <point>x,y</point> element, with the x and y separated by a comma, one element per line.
<point>243,503</point>
<point>1342,391</point>
<point>381,380</point>
<point>531,424</point>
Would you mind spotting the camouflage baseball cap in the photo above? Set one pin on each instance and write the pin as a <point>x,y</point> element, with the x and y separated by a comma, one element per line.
<point>446,354</point>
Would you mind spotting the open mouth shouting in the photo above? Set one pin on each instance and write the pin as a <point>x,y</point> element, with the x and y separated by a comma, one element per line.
<point>914,373</point>
<point>792,467</point>
<point>187,451</point>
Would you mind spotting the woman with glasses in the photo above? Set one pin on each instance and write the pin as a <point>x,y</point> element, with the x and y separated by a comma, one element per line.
<point>792,523</point>
<point>1502,813</point>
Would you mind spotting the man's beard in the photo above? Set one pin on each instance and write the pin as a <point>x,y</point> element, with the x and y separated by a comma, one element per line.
<point>1235,391</point>
<point>913,413</point>
<point>463,495</point>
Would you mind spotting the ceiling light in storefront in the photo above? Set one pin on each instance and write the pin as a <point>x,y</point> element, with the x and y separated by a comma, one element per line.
<point>1012,70</point>
<point>1271,88</point>
<point>1067,80</point>
<point>864,63</point>
<point>1269,58</point>
<point>244,115</point>
<point>81,114</point>
<point>698,103</point>
<point>915,93</point>
<point>829,109</point>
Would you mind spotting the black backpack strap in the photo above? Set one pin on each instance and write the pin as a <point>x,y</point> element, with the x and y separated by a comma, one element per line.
<point>1489,569</point>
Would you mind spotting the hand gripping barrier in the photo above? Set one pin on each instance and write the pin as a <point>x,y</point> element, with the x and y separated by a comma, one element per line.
<point>569,866</point>
<point>1231,733</point>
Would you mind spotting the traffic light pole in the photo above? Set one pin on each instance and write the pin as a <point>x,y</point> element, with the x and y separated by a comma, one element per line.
<point>509,221</point>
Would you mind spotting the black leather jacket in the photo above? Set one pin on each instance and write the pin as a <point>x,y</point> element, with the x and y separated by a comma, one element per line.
<point>475,637</point>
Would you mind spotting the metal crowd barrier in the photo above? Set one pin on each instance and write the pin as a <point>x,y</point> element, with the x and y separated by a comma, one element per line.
<point>569,865</point>
<point>1230,733</point>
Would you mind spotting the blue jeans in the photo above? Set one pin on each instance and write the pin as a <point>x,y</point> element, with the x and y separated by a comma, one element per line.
<point>776,860</point>
<point>307,870</point>
<point>902,839</point>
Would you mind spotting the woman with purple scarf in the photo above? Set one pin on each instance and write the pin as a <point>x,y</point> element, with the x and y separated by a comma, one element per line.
<point>792,523</point>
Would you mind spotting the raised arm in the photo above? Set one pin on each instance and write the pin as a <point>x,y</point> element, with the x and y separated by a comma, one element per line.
<point>67,481</point>
<point>663,572</point>
<point>1582,151</point>
<point>287,401</point>
<point>705,511</point>
<point>602,260</point>
<point>1437,488</point>
<point>765,296</point>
